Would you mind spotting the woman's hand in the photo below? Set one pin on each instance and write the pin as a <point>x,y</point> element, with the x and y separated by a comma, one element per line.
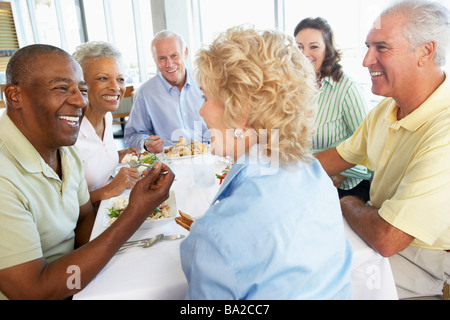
<point>152,190</point>
<point>338,180</point>
<point>126,178</point>
<point>124,152</point>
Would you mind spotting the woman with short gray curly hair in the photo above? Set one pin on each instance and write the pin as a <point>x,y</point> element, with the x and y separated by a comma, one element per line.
<point>96,50</point>
<point>102,69</point>
<point>275,225</point>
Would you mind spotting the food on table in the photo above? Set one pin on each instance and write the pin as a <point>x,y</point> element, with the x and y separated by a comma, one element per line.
<point>121,203</point>
<point>221,177</point>
<point>183,149</point>
<point>184,220</point>
<point>130,157</point>
<point>144,157</point>
<point>147,158</point>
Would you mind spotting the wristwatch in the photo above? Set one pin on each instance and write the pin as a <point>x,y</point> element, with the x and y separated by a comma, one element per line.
<point>145,148</point>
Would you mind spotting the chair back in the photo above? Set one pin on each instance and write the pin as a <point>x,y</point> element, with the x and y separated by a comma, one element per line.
<point>124,109</point>
<point>2,97</point>
<point>120,116</point>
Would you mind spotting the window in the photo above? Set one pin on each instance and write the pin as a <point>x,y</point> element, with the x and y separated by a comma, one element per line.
<point>69,26</point>
<point>44,15</point>
<point>49,21</point>
<point>218,15</point>
<point>95,20</point>
<point>124,36</point>
<point>129,24</point>
<point>8,41</point>
<point>144,36</point>
<point>350,20</point>
<point>121,22</point>
<point>125,23</point>
<point>24,27</point>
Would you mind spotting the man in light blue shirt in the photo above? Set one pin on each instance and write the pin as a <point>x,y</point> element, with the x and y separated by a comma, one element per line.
<point>166,106</point>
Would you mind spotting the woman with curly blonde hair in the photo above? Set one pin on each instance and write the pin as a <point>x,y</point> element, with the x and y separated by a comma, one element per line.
<point>270,89</point>
<point>275,227</point>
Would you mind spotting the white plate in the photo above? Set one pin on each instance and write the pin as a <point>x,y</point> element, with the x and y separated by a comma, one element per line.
<point>150,223</point>
<point>166,157</point>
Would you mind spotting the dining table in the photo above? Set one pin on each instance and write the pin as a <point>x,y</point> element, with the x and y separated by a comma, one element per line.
<point>155,273</point>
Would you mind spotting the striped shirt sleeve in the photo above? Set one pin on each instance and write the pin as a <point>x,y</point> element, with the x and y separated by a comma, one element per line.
<point>342,107</point>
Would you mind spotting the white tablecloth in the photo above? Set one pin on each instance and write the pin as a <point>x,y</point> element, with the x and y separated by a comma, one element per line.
<point>371,275</point>
<point>155,273</point>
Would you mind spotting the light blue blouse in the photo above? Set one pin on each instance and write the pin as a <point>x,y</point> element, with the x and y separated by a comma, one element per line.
<point>160,109</point>
<point>271,233</point>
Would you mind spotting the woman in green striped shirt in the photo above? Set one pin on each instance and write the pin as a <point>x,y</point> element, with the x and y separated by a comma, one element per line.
<point>342,103</point>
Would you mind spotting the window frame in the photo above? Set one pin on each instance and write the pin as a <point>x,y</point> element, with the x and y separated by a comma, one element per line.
<point>192,26</point>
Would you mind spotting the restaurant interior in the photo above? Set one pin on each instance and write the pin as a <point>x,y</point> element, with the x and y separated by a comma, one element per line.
<point>130,26</point>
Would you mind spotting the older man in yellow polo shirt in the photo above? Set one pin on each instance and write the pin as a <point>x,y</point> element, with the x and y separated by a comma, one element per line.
<point>406,141</point>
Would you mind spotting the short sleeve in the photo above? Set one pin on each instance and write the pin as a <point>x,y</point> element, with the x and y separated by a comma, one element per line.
<point>19,237</point>
<point>354,149</point>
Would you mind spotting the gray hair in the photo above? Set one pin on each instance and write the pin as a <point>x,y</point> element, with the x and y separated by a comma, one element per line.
<point>96,49</point>
<point>426,21</point>
<point>166,34</point>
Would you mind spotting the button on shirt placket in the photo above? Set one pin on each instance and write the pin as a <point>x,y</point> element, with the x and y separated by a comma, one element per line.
<point>182,107</point>
<point>187,114</point>
<point>180,114</point>
<point>390,142</point>
<point>395,126</point>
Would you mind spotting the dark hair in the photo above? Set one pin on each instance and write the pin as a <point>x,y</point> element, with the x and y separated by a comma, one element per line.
<point>330,65</point>
<point>21,67</point>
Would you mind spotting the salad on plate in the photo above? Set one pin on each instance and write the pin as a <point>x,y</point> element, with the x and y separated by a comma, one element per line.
<point>121,203</point>
<point>143,161</point>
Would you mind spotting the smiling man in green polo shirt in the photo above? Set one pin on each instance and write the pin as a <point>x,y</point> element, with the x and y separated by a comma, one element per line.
<point>46,215</point>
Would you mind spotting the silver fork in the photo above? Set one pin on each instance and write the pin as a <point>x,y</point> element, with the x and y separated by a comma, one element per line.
<point>165,140</point>
<point>135,165</point>
<point>146,243</point>
<point>169,237</point>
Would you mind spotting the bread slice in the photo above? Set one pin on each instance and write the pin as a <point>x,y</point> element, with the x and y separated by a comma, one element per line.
<point>184,220</point>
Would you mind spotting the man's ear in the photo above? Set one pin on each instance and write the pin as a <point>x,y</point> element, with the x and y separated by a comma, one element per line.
<point>427,53</point>
<point>13,96</point>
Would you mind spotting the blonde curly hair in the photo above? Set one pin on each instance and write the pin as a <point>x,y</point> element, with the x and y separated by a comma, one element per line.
<point>263,75</point>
